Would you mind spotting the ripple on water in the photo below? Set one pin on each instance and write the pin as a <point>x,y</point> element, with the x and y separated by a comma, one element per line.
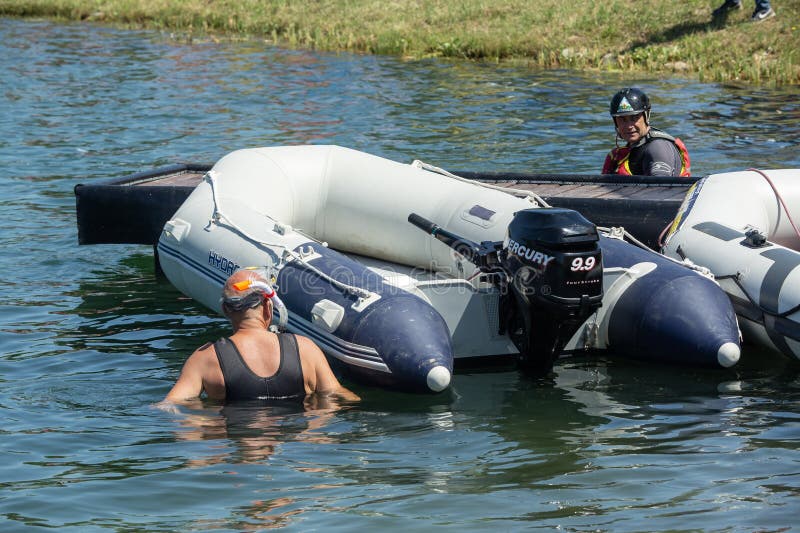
<point>90,338</point>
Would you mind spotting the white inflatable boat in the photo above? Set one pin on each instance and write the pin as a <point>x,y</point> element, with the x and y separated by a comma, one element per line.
<point>743,227</point>
<point>492,274</point>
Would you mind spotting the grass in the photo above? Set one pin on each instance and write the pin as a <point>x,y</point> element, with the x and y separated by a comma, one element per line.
<point>622,35</point>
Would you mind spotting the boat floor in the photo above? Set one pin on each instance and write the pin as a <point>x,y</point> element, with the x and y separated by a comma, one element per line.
<point>133,209</point>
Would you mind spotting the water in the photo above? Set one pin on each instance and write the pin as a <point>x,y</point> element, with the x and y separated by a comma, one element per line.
<point>90,339</point>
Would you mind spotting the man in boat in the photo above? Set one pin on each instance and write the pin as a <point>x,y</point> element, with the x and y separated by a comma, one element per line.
<point>647,151</point>
<point>254,363</point>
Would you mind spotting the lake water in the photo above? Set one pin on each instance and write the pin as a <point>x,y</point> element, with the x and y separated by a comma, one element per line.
<point>90,339</point>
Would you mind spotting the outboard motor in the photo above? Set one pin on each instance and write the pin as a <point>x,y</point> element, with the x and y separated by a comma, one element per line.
<point>550,277</point>
<point>555,281</point>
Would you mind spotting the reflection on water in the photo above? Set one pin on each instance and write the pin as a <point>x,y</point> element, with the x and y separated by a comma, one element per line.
<point>134,310</point>
<point>90,338</point>
<point>255,430</point>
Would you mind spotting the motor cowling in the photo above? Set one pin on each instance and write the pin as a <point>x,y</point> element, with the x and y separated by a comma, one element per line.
<point>555,281</point>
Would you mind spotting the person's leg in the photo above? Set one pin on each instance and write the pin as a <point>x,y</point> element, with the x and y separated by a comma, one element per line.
<point>763,11</point>
<point>726,7</point>
<point>762,5</point>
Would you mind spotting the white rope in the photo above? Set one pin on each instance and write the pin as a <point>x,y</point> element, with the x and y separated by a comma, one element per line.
<point>357,291</point>
<point>532,197</point>
<point>622,234</point>
<point>217,216</point>
<point>614,233</point>
<point>287,255</point>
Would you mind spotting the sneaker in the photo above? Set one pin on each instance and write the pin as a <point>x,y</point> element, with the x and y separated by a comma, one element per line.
<point>727,7</point>
<point>764,14</point>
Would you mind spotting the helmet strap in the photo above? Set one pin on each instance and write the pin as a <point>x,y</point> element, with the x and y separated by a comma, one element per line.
<point>617,136</point>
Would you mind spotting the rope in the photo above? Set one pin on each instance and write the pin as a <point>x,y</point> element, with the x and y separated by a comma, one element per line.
<point>736,277</point>
<point>287,255</point>
<point>218,216</point>
<point>779,197</point>
<point>618,233</point>
<point>352,289</point>
<point>534,198</point>
<point>663,233</point>
<point>622,234</point>
<point>736,280</point>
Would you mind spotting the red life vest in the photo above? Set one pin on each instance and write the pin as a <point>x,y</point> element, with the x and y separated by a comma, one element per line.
<point>617,160</point>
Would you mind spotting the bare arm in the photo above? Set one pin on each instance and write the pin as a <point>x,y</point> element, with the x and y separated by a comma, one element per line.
<point>190,383</point>
<point>318,374</point>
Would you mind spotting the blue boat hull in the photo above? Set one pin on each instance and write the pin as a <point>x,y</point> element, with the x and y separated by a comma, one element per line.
<point>671,315</point>
<point>408,337</point>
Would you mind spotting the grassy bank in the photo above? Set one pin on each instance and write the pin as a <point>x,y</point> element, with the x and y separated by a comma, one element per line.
<point>626,35</point>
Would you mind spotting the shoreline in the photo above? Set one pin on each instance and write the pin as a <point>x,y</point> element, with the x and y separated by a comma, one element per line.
<point>615,36</point>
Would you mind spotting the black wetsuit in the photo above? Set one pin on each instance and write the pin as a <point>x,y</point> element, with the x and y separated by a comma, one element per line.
<point>241,383</point>
<point>655,155</point>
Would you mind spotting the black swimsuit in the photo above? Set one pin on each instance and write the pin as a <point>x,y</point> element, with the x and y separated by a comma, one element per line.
<point>241,383</point>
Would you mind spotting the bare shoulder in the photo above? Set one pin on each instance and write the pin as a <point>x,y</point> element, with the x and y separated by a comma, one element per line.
<point>318,374</point>
<point>308,348</point>
<point>202,354</point>
<point>190,382</point>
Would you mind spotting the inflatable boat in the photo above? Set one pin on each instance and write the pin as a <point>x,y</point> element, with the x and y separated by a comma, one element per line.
<point>397,269</point>
<point>743,227</point>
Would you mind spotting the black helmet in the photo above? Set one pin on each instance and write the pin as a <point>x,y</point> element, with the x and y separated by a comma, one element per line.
<point>629,102</point>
